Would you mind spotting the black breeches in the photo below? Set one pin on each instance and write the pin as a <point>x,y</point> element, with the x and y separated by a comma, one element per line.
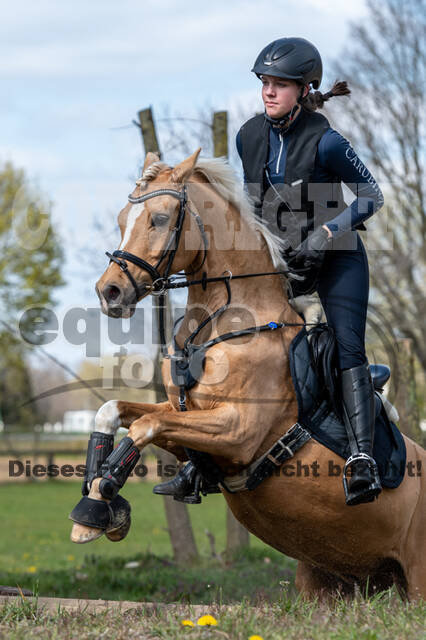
<point>343,288</point>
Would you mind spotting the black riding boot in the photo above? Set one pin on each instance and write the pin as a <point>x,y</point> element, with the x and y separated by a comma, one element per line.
<point>363,485</point>
<point>181,485</point>
<point>187,485</point>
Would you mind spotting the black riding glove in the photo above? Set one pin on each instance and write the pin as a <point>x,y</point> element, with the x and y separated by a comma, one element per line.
<point>311,252</point>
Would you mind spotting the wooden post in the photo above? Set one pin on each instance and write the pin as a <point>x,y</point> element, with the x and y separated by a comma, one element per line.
<point>236,535</point>
<point>403,390</point>
<point>178,522</point>
<point>220,134</point>
<point>149,134</point>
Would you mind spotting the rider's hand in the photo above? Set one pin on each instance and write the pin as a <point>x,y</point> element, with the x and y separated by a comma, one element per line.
<point>311,252</point>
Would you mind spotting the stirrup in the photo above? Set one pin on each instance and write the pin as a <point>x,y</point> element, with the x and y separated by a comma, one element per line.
<point>370,493</point>
<point>193,497</point>
<point>201,485</point>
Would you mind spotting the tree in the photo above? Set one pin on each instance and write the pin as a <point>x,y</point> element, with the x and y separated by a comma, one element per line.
<point>385,66</point>
<point>30,262</point>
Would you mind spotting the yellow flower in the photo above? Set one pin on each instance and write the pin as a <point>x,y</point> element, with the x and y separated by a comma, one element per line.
<point>70,558</point>
<point>25,556</point>
<point>187,623</point>
<point>255,637</point>
<point>32,569</point>
<point>205,621</point>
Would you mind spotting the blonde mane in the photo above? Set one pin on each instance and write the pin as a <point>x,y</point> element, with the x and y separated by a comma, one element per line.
<point>225,181</point>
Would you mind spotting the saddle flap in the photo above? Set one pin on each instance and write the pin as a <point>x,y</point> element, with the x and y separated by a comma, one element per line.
<point>305,380</point>
<point>322,342</point>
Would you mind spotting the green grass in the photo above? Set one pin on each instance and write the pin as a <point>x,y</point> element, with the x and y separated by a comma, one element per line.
<point>383,617</point>
<point>37,527</point>
<point>35,550</point>
<point>36,553</point>
<point>159,579</point>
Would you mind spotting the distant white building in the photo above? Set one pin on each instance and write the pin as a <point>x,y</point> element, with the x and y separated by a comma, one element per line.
<point>82,421</point>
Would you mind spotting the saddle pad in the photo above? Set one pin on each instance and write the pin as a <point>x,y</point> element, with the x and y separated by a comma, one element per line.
<point>316,415</point>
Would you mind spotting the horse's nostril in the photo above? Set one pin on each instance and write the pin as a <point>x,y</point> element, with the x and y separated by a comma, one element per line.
<point>111,293</point>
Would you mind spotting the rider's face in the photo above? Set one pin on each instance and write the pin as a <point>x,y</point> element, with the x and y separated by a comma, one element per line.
<point>279,95</point>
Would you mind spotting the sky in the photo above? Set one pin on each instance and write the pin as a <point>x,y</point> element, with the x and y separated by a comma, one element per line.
<point>74,75</point>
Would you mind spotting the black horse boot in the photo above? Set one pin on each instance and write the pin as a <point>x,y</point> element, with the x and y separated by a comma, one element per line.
<point>363,485</point>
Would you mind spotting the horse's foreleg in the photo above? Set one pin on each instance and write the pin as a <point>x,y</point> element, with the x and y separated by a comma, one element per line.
<point>109,418</point>
<point>213,431</point>
<point>115,414</point>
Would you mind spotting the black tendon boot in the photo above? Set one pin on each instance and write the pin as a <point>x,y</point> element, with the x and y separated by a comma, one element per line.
<point>114,465</point>
<point>363,485</point>
<point>117,468</point>
<point>99,447</point>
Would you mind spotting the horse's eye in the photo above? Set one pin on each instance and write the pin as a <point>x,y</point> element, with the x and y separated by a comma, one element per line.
<point>160,219</point>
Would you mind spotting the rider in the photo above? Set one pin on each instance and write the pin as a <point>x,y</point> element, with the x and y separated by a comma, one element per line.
<point>294,164</point>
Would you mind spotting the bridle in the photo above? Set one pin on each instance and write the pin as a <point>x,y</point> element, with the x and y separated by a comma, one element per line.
<point>159,282</point>
<point>162,283</point>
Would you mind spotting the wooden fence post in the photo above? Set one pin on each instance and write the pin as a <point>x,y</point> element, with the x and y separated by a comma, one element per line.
<point>178,522</point>
<point>220,134</point>
<point>403,390</point>
<point>149,134</point>
<point>236,535</point>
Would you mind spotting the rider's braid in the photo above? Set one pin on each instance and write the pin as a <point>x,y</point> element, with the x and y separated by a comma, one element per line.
<point>316,99</point>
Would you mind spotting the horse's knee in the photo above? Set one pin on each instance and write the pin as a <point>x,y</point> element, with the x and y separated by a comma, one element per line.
<point>107,419</point>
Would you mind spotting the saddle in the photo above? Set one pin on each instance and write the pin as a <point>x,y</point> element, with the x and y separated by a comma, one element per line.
<point>314,372</point>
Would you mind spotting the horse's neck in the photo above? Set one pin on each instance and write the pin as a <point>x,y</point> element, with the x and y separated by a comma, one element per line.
<point>262,296</point>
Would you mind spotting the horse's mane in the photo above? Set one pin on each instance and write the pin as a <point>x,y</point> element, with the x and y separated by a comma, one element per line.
<point>225,181</point>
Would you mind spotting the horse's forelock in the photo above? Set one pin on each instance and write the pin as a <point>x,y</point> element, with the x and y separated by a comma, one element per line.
<point>151,173</point>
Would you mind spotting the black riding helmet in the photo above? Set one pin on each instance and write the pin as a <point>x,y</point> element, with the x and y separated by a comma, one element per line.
<point>291,58</point>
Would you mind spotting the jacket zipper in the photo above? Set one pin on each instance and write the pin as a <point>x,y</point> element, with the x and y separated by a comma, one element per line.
<point>279,155</point>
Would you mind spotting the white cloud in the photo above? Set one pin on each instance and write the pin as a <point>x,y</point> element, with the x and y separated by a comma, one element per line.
<point>103,38</point>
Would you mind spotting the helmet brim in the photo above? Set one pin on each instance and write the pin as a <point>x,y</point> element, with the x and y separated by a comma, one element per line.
<point>263,69</point>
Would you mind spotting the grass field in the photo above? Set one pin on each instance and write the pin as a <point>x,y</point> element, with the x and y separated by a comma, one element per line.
<point>38,528</point>
<point>35,553</point>
<point>383,617</point>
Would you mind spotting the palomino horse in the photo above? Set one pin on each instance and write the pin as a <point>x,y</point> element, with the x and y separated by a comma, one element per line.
<point>245,398</point>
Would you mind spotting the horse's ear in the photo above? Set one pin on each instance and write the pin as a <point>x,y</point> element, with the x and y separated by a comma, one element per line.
<point>183,170</point>
<point>150,159</point>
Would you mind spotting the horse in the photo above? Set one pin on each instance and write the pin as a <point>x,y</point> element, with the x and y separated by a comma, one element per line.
<point>244,399</point>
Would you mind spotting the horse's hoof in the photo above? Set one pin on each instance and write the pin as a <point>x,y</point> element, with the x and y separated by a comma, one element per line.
<point>115,535</point>
<point>80,534</point>
<point>120,521</point>
<point>94,517</point>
